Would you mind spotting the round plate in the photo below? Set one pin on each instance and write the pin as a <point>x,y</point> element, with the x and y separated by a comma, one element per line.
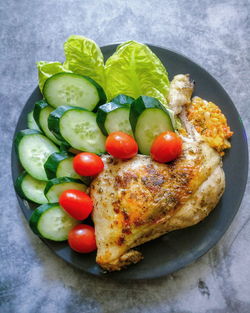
<point>179,248</point>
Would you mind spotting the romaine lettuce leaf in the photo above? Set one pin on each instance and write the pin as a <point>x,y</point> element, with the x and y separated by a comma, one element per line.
<point>84,57</point>
<point>174,119</point>
<point>47,69</point>
<point>134,70</point>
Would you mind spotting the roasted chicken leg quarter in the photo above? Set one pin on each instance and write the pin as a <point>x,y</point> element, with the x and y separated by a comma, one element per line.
<point>139,200</point>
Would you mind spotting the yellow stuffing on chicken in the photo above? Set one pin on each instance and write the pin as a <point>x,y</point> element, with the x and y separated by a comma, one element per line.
<point>210,122</point>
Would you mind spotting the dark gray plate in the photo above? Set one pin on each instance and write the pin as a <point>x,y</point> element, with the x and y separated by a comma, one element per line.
<point>179,248</point>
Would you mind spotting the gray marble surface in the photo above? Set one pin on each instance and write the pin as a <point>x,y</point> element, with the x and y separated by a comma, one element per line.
<point>215,34</point>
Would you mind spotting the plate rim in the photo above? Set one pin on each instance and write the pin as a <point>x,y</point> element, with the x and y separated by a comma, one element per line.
<point>217,237</point>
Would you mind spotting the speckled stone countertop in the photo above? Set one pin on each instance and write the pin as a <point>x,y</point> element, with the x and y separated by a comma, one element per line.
<point>216,35</point>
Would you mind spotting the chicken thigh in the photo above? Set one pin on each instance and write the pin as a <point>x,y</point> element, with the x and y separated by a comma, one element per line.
<point>139,200</point>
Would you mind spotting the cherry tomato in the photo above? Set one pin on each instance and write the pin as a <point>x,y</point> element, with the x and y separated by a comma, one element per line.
<point>81,238</point>
<point>87,164</point>
<point>76,203</point>
<point>121,145</point>
<point>166,147</point>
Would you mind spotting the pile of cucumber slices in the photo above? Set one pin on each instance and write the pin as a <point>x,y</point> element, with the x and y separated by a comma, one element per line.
<point>74,116</point>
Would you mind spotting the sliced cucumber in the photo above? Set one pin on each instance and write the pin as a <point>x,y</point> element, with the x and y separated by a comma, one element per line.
<point>123,99</point>
<point>65,169</point>
<point>33,149</point>
<point>118,120</point>
<point>41,113</point>
<point>50,221</point>
<point>30,188</point>
<point>113,117</point>
<point>52,163</point>
<point>60,165</point>
<point>77,127</point>
<point>56,186</point>
<point>73,89</point>
<point>31,122</point>
<point>148,119</point>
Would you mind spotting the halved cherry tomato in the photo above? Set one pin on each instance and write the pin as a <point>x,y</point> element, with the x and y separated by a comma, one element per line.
<point>121,145</point>
<point>87,164</point>
<point>76,203</point>
<point>166,147</point>
<point>81,238</point>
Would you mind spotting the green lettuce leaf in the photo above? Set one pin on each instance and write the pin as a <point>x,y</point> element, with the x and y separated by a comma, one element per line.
<point>47,69</point>
<point>176,122</point>
<point>134,70</point>
<point>84,57</point>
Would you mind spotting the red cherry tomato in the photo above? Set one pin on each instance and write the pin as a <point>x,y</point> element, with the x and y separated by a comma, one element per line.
<point>121,145</point>
<point>87,164</point>
<point>81,238</point>
<point>76,203</point>
<point>166,147</point>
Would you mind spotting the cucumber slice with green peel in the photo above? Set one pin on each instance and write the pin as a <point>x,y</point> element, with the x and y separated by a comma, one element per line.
<point>113,117</point>
<point>31,121</point>
<point>118,120</point>
<point>65,169</point>
<point>148,119</point>
<point>53,162</point>
<point>50,221</point>
<point>41,113</point>
<point>33,149</point>
<point>60,165</point>
<point>78,128</point>
<point>56,186</point>
<point>73,89</point>
<point>150,124</point>
<point>30,188</point>
<point>123,99</point>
